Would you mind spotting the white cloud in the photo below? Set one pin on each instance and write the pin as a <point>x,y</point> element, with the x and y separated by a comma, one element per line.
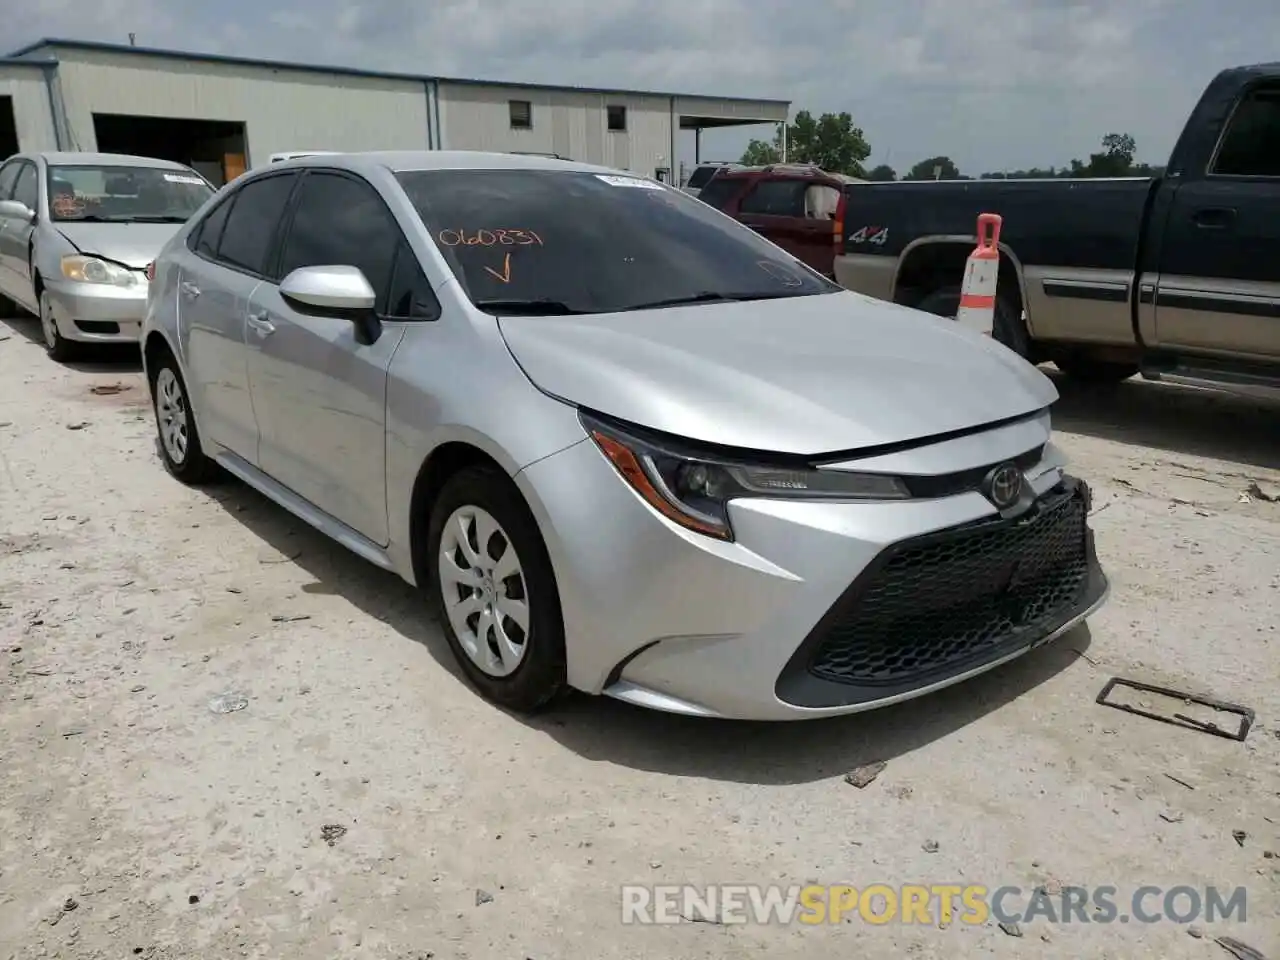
<point>992,83</point>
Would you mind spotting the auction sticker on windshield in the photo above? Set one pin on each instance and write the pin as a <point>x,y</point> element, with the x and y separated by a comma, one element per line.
<point>183,178</point>
<point>615,181</point>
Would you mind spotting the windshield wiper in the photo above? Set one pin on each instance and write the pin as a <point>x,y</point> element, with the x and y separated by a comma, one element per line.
<point>87,218</point>
<point>151,218</point>
<point>707,296</point>
<point>535,308</point>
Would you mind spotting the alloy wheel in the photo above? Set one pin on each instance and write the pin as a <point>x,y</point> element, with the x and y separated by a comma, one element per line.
<point>482,585</point>
<point>171,413</point>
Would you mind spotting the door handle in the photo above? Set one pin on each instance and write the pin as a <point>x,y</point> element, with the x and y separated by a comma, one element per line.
<point>260,324</point>
<point>1214,218</point>
<point>189,289</point>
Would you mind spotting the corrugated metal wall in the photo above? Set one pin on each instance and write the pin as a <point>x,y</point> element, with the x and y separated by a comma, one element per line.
<point>29,95</point>
<point>281,109</point>
<point>570,123</point>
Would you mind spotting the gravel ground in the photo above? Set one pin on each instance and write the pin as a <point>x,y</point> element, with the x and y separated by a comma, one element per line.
<point>365,803</point>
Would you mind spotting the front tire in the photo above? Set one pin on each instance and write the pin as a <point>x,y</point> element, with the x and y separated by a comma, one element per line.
<point>59,348</point>
<point>176,425</point>
<point>1006,328</point>
<point>495,590</point>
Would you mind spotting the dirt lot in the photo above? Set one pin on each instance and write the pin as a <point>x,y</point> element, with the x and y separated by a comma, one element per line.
<point>135,821</point>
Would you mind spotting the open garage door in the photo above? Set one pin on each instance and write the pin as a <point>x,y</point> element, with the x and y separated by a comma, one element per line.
<point>8,129</point>
<point>216,148</point>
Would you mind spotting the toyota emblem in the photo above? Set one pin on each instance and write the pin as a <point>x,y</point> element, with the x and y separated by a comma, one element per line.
<point>1004,486</point>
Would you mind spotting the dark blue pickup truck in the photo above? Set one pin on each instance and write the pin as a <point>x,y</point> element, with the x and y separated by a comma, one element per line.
<point>1176,277</point>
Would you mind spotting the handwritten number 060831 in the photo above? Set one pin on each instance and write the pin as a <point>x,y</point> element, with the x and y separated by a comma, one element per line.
<point>488,238</point>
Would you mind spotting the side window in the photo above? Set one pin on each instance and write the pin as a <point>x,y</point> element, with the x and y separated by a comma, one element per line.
<point>720,190</point>
<point>26,189</point>
<point>8,176</point>
<point>776,198</point>
<point>204,240</point>
<point>341,220</point>
<point>410,296</point>
<point>821,201</point>
<point>251,222</point>
<point>1250,146</point>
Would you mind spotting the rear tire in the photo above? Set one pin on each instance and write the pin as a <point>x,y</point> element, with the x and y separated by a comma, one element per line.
<point>179,440</point>
<point>484,583</point>
<point>1007,325</point>
<point>1082,367</point>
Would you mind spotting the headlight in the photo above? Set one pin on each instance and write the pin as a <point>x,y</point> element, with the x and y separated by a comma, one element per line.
<point>694,490</point>
<point>92,270</point>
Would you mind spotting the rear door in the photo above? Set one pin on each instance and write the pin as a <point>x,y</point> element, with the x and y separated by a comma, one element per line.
<point>225,262</point>
<point>320,395</point>
<point>774,208</point>
<point>1219,287</point>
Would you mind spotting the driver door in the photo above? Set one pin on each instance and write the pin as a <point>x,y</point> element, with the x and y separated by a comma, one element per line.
<point>15,239</point>
<point>320,395</point>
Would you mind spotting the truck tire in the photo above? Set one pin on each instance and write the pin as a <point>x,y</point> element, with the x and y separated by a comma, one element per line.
<point>1007,327</point>
<point>1086,369</point>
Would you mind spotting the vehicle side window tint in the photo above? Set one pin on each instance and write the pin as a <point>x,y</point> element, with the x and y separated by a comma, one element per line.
<point>410,296</point>
<point>8,176</point>
<point>209,232</point>
<point>339,220</point>
<point>1251,145</point>
<point>252,220</point>
<point>26,189</point>
<point>720,190</point>
<point>777,198</point>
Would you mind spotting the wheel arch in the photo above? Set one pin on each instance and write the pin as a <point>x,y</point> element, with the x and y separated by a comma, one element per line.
<point>926,258</point>
<point>443,462</point>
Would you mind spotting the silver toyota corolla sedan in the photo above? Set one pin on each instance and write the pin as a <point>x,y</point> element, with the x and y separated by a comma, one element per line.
<point>627,445</point>
<point>77,231</point>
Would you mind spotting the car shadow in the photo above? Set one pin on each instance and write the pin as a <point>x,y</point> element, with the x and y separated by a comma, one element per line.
<point>1173,418</point>
<point>606,730</point>
<point>98,358</point>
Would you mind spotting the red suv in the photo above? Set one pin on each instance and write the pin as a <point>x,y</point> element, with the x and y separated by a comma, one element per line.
<point>798,207</point>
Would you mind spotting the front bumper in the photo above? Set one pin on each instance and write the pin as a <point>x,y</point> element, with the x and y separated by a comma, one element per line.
<point>98,313</point>
<point>767,627</point>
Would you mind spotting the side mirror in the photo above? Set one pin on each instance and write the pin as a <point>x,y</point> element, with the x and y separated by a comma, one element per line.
<point>17,209</point>
<point>334,291</point>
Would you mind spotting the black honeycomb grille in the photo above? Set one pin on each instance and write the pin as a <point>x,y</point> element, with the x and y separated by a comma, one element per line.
<point>940,603</point>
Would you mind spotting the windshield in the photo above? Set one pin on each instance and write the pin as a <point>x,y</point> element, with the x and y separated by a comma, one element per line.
<point>558,242</point>
<point>125,194</point>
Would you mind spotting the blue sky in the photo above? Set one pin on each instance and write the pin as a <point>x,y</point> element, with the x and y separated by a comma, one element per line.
<point>994,84</point>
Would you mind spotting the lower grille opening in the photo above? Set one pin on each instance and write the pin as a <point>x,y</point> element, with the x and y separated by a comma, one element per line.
<point>98,326</point>
<point>938,604</point>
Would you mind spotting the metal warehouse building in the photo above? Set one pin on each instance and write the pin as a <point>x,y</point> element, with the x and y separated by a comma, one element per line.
<point>223,114</point>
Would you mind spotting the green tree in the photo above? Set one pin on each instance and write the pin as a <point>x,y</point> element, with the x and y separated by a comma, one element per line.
<point>934,168</point>
<point>760,153</point>
<point>882,173</point>
<point>831,142</point>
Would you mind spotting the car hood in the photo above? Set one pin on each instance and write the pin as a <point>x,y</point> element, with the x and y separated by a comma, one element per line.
<point>133,244</point>
<point>803,375</point>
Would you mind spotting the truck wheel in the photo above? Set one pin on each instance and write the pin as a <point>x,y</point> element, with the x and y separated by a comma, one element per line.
<point>1082,367</point>
<point>1007,327</point>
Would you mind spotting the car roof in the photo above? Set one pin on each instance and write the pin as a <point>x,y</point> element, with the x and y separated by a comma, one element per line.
<point>404,161</point>
<point>58,157</point>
